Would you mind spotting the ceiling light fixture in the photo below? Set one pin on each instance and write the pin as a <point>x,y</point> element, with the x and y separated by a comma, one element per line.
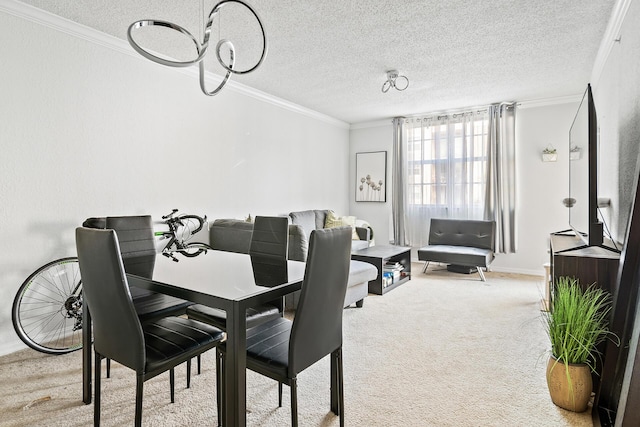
<point>395,80</point>
<point>201,49</point>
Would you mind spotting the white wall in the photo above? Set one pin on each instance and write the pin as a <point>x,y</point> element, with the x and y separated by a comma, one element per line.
<point>87,130</point>
<point>616,93</point>
<point>617,99</point>
<point>374,137</point>
<point>541,186</point>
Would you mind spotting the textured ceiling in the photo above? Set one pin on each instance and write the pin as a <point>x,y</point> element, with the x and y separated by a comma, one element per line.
<point>331,55</point>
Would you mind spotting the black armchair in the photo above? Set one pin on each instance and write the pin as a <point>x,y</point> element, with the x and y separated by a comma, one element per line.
<point>148,348</point>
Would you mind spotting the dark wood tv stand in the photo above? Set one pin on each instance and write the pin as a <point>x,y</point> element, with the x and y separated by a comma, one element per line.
<point>589,264</point>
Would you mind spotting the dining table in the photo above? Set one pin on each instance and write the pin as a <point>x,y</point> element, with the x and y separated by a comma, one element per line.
<point>229,281</point>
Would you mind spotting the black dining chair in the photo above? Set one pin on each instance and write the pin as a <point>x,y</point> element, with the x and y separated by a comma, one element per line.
<point>280,348</point>
<point>269,241</point>
<point>270,236</point>
<point>269,245</point>
<point>149,348</point>
<point>138,250</point>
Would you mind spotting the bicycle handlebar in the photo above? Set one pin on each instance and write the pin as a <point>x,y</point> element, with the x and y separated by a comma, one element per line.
<point>173,212</point>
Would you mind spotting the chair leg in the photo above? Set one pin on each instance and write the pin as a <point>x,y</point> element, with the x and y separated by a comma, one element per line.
<point>219,385</point>
<point>340,386</point>
<point>481,273</point>
<point>97,385</point>
<point>172,384</point>
<point>108,368</point>
<point>279,394</point>
<point>189,373</point>
<point>139,391</point>
<point>426,264</point>
<point>199,363</point>
<point>294,402</point>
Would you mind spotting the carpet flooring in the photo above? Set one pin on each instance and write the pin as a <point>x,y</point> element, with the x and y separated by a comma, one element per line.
<point>444,349</point>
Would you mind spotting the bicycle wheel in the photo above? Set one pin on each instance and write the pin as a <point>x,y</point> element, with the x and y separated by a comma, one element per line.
<point>194,249</point>
<point>47,310</point>
<point>189,225</point>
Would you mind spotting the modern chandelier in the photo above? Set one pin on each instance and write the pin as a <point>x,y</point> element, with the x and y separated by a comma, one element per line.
<point>201,48</point>
<point>395,80</point>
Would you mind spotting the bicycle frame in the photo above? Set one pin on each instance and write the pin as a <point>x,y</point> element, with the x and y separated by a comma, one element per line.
<point>177,242</point>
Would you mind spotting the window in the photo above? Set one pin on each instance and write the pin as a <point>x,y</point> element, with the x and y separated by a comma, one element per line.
<point>447,164</point>
<point>455,166</point>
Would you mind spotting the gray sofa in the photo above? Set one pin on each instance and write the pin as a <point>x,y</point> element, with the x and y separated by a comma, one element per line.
<point>234,235</point>
<point>315,219</point>
<point>463,244</point>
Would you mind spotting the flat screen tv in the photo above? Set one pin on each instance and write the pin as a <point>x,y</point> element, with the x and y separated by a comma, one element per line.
<point>583,173</point>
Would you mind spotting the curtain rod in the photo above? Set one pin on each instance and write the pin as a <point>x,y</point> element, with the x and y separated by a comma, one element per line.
<point>480,109</point>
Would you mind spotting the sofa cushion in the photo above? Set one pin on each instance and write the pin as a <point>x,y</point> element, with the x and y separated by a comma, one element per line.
<point>306,220</point>
<point>360,271</point>
<point>456,232</point>
<point>332,220</point>
<point>458,255</point>
<point>298,243</point>
<point>321,218</point>
<point>230,235</point>
<point>356,245</point>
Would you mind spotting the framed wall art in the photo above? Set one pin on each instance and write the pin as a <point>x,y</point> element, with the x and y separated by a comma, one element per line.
<point>371,176</point>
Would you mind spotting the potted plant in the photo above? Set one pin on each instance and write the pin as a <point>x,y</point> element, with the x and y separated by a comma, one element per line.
<point>549,154</point>
<point>577,322</point>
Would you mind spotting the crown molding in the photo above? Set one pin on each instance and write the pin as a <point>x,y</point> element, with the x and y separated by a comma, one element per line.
<point>74,29</point>
<point>63,25</point>
<point>372,124</point>
<point>532,103</point>
<point>545,102</point>
<point>611,36</point>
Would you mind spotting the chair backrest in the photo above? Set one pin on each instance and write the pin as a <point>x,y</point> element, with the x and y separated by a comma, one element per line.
<point>117,331</point>
<point>463,232</point>
<point>317,325</point>
<point>269,271</point>
<point>137,243</point>
<point>270,236</point>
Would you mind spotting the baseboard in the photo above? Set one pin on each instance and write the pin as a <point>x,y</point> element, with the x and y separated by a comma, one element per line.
<point>11,348</point>
<point>518,271</point>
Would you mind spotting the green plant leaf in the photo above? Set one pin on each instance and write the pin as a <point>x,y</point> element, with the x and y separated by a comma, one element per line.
<point>578,320</point>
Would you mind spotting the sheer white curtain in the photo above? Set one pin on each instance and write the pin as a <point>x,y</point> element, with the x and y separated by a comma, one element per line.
<point>444,170</point>
<point>455,166</point>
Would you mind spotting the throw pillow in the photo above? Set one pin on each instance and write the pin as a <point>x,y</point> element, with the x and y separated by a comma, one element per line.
<point>339,221</point>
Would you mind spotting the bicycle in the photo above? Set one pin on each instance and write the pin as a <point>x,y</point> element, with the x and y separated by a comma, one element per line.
<point>47,309</point>
<point>181,228</point>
